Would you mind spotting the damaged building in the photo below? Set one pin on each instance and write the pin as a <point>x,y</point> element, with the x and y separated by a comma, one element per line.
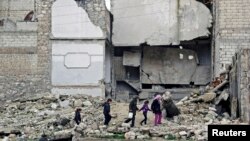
<point>139,47</point>
<point>45,48</point>
<point>161,45</point>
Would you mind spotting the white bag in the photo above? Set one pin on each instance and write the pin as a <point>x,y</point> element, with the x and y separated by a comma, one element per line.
<point>130,115</point>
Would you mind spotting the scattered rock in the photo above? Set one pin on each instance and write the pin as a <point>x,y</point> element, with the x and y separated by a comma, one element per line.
<point>54,106</point>
<point>32,116</point>
<point>78,103</point>
<point>223,97</point>
<point>64,104</point>
<point>129,135</point>
<point>87,103</point>
<point>64,134</point>
<point>183,133</point>
<point>125,124</point>
<point>226,115</point>
<point>212,109</point>
<point>111,129</point>
<point>208,97</point>
<point>142,137</point>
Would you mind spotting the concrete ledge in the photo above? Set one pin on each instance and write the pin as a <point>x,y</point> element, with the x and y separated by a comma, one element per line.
<point>27,26</point>
<point>91,91</point>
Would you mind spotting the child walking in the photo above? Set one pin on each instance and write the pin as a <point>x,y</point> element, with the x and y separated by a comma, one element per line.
<point>78,116</point>
<point>145,110</point>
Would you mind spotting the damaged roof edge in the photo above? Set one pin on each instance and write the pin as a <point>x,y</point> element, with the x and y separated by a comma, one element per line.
<point>97,13</point>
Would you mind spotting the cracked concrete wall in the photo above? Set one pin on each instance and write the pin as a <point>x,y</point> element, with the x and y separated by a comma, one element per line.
<point>158,22</point>
<point>98,13</point>
<point>84,19</point>
<point>168,65</point>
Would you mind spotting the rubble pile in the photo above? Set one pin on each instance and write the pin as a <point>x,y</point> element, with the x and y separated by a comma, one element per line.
<point>29,118</point>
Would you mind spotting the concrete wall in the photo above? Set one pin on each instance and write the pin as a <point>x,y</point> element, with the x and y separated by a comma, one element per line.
<point>77,63</point>
<point>232,30</point>
<point>73,23</point>
<point>158,22</point>
<point>81,58</point>
<point>174,66</point>
<point>108,63</point>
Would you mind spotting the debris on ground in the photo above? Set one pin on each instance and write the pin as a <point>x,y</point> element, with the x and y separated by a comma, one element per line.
<point>30,118</point>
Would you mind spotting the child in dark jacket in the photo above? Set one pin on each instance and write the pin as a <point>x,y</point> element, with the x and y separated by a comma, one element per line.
<point>145,110</point>
<point>78,116</point>
<point>106,112</point>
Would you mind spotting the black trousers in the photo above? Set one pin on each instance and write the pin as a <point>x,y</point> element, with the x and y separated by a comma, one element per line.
<point>145,118</point>
<point>133,120</point>
<point>107,119</point>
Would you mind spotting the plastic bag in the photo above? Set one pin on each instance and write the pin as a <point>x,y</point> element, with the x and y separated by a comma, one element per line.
<point>130,115</point>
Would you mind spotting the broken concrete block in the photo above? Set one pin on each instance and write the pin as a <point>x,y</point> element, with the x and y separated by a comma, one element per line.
<point>223,97</point>
<point>208,97</point>
<point>183,133</point>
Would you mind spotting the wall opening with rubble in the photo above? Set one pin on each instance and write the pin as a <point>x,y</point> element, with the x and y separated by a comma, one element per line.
<point>24,48</point>
<point>81,49</point>
<point>161,45</point>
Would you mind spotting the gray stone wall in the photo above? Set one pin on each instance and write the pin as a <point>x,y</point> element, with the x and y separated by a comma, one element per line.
<point>18,39</point>
<point>16,10</point>
<point>25,53</point>
<point>232,30</point>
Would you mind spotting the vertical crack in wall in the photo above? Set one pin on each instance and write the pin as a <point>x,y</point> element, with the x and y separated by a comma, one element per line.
<point>97,12</point>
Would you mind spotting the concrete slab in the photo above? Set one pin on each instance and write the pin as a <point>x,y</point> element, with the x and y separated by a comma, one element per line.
<point>158,22</point>
<point>132,59</point>
<point>168,65</point>
<point>202,75</point>
<point>92,91</point>
<point>77,63</point>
